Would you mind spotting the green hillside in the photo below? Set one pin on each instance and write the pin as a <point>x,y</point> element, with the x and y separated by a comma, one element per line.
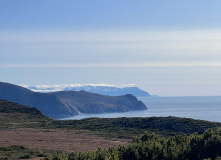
<point>129,127</point>
<point>16,115</point>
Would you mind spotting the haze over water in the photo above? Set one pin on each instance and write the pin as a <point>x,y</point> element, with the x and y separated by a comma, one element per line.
<point>168,48</point>
<point>201,107</point>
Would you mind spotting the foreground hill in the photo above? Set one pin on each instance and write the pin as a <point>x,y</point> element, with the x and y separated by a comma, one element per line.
<point>69,103</point>
<point>154,137</point>
<point>13,114</point>
<point>136,126</point>
<point>27,133</point>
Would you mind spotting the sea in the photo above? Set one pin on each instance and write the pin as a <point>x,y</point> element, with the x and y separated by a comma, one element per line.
<point>196,107</point>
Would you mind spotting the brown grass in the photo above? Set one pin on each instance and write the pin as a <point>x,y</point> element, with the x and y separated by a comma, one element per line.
<point>57,139</point>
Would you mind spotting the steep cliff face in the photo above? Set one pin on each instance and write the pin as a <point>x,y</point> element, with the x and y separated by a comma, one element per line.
<point>69,103</point>
<point>86,102</point>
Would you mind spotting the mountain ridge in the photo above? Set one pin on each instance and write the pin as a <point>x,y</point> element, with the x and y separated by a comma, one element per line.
<point>103,89</point>
<point>69,103</point>
<point>106,104</point>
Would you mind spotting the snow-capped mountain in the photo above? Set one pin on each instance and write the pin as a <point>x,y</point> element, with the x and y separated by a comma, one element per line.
<point>104,89</point>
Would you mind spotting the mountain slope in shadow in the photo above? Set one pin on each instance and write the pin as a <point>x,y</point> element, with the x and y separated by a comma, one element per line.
<point>69,103</point>
<point>49,104</point>
<point>86,102</point>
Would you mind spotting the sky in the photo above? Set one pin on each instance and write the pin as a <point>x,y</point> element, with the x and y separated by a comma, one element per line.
<point>168,48</point>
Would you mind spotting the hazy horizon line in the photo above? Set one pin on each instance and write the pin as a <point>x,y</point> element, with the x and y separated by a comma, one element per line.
<point>118,65</point>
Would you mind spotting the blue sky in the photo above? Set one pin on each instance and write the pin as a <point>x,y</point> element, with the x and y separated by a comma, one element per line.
<point>169,48</point>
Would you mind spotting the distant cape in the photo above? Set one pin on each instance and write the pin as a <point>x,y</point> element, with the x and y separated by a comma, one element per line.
<point>68,103</point>
<point>99,89</point>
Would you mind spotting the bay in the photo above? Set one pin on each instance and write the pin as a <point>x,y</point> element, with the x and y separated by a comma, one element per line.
<point>196,107</point>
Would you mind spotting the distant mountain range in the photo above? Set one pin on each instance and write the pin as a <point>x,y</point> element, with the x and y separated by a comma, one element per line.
<point>69,103</point>
<point>98,88</point>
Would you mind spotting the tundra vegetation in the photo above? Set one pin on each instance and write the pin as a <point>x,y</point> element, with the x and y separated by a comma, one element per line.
<point>151,146</point>
<point>152,138</point>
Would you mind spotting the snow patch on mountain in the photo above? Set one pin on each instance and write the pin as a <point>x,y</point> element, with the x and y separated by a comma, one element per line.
<point>63,87</point>
<point>105,89</point>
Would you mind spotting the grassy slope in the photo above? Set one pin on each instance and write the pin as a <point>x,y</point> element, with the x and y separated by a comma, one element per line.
<point>13,115</point>
<point>16,115</point>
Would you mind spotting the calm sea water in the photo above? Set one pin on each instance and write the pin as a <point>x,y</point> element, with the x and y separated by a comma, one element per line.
<point>204,108</point>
